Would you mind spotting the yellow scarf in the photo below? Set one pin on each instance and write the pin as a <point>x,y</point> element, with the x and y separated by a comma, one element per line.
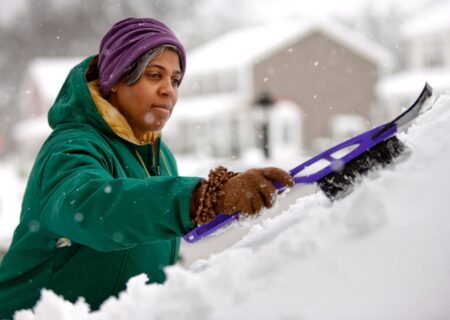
<point>115,120</point>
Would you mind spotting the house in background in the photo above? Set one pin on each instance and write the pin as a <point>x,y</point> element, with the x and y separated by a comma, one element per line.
<point>321,75</point>
<point>42,81</point>
<point>428,60</point>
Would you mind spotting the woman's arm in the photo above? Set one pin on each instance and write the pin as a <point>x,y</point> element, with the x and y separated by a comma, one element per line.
<point>83,202</point>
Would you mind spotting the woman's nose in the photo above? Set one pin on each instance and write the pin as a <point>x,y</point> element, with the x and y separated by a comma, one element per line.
<point>166,88</point>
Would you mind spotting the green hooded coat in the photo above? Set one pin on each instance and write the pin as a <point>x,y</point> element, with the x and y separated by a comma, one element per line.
<point>115,209</point>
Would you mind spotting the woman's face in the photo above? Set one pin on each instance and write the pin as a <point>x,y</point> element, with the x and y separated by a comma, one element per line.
<point>148,104</point>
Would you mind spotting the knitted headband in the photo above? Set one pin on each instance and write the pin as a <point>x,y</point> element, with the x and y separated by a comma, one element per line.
<point>128,40</point>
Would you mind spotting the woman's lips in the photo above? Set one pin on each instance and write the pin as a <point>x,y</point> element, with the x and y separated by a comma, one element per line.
<point>163,109</point>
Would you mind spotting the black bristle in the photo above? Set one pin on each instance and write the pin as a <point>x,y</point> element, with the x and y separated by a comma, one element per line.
<point>339,182</point>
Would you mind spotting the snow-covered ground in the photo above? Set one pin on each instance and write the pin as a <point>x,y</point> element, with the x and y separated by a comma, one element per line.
<point>11,192</point>
<point>383,252</point>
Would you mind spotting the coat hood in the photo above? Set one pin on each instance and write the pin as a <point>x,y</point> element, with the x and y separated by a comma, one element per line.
<point>74,102</point>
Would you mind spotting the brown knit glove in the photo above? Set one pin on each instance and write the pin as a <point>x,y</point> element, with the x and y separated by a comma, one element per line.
<point>227,192</point>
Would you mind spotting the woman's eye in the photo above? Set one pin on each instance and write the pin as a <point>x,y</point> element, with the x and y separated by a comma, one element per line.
<point>153,75</point>
<point>175,82</point>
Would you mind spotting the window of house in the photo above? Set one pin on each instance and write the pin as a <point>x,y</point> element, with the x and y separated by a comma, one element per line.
<point>208,84</point>
<point>190,87</point>
<point>433,50</point>
<point>345,126</point>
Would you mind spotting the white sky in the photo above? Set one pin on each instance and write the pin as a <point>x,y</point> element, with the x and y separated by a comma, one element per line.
<point>275,9</point>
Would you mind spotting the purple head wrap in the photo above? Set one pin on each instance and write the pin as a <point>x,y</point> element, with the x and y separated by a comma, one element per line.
<point>128,40</point>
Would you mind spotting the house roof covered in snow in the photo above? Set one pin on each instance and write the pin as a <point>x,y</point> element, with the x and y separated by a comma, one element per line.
<point>242,47</point>
<point>49,74</point>
<point>433,20</point>
<point>408,84</point>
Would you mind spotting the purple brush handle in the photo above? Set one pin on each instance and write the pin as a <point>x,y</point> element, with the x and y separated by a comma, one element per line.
<point>364,141</point>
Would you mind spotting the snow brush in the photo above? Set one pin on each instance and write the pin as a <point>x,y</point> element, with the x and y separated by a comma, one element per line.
<point>339,167</point>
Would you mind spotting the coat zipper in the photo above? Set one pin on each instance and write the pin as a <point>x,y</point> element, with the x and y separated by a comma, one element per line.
<point>155,154</point>
<point>154,162</point>
<point>163,158</point>
<point>142,163</point>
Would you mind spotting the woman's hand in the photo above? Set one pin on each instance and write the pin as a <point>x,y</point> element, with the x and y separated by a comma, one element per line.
<point>250,191</point>
<point>228,192</point>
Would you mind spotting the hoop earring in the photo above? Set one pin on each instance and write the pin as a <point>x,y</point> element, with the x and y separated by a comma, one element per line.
<point>113,90</point>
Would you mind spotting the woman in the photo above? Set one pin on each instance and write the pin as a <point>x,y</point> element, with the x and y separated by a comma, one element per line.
<point>104,201</point>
